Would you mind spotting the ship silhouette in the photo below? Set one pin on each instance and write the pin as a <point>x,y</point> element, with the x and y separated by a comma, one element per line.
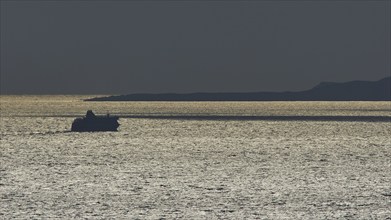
<point>91,122</point>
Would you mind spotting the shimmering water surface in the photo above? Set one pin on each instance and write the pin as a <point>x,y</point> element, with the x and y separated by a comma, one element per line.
<point>194,169</point>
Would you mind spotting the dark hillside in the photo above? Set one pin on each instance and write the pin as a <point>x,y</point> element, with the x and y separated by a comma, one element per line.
<point>325,91</point>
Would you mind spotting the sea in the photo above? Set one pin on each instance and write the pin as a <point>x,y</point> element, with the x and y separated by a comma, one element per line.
<point>195,160</point>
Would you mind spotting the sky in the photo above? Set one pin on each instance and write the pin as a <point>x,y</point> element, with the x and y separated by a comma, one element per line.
<point>124,47</point>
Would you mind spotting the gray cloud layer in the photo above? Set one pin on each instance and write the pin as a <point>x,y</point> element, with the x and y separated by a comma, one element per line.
<point>125,47</point>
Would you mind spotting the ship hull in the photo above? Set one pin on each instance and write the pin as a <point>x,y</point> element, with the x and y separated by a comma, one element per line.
<point>96,124</point>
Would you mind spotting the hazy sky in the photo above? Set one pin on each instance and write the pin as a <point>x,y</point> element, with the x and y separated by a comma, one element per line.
<point>121,47</point>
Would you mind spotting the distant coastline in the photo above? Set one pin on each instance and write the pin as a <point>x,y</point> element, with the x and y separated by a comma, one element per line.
<point>326,91</point>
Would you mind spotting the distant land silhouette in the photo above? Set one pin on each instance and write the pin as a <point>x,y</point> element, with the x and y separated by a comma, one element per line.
<point>325,91</point>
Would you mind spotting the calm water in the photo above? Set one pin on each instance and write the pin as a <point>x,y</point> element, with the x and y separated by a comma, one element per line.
<point>194,169</point>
